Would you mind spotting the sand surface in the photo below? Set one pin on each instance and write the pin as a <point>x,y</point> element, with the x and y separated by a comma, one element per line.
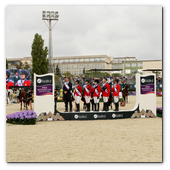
<point>121,140</point>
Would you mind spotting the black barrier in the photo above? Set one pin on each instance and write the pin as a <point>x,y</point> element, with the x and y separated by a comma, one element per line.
<point>93,115</point>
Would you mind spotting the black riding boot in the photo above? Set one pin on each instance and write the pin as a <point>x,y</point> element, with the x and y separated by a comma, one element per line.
<point>98,107</point>
<point>88,107</point>
<point>95,107</point>
<point>104,107</point>
<point>107,106</point>
<point>117,106</point>
<point>78,107</point>
<point>92,106</point>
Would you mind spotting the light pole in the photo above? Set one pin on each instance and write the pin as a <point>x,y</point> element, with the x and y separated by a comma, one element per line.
<point>49,16</point>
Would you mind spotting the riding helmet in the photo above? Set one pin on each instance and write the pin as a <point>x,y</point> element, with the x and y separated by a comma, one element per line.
<point>8,73</point>
<point>78,81</point>
<point>97,81</point>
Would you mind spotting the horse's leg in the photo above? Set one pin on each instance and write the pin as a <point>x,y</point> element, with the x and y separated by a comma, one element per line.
<point>21,105</point>
<point>26,105</point>
<point>126,100</point>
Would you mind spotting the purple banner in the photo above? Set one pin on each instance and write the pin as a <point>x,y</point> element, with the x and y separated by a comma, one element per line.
<point>147,89</point>
<point>44,90</point>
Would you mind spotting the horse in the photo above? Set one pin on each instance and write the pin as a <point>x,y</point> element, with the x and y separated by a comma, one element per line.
<point>23,98</point>
<point>9,96</point>
<point>125,93</point>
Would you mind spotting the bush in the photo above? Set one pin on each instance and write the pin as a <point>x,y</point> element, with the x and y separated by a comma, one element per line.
<point>23,118</point>
<point>159,110</point>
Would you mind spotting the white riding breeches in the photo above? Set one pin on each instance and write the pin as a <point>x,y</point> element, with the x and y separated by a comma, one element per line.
<point>87,99</point>
<point>77,99</point>
<point>96,100</point>
<point>116,99</point>
<point>105,99</point>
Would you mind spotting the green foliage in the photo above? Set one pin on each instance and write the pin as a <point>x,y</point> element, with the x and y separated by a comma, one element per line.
<point>116,75</point>
<point>97,74</point>
<point>157,73</point>
<point>57,70</point>
<point>67,73</point>
<point>39,56</point>
<point>84,71</point>
<point>26,66</point>
<point>6,64</point>
<point>19,66</point>
<point>31,121</point>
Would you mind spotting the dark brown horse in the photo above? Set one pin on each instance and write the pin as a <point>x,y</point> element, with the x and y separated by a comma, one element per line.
<point>125,93</point>
<point>23,98</point>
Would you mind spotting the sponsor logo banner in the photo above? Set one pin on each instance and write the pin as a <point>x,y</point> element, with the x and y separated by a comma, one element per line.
<point>117,115</point>
<point>44,86</point>
<point>80,116</point>
<point>96,116</point>
<point>147,84</point>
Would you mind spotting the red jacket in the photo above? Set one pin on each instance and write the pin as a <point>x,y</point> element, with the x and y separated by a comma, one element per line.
<point>10,83</point>
<point>116,90</point>
<point>79,89</point>
<point>25,83</point>
<point>88,86</point>
<point>106,92</point>
<point>94,91</point>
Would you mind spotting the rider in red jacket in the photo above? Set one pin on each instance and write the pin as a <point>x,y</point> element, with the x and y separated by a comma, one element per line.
<point>87,94</point>
<point>116,90</point>
<point>23,81</point>
<point>106,93</point>
<point>77,95</point>
<point>96,94</point>
<point>8,82</point>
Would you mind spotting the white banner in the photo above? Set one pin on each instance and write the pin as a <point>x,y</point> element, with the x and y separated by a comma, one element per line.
<point>44,93</point>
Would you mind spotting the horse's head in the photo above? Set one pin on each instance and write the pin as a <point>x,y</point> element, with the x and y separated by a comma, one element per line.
<point>128,86</point>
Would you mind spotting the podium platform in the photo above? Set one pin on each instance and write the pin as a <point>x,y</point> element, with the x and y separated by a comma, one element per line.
<point>98,115</point>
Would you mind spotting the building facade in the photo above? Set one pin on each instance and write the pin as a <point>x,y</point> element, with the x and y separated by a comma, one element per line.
<point>76,64</point>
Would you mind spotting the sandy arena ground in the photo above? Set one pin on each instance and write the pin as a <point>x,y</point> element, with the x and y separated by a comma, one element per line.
<point>121,140</point>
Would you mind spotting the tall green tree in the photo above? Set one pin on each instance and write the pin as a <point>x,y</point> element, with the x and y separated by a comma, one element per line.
<point>39,56</point>
<point>6,64</point>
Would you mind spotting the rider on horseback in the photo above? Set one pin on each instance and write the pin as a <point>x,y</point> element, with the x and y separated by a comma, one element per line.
<point>124,85</point>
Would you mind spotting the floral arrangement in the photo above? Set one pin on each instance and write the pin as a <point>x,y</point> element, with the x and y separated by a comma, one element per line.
<point>27,117</point>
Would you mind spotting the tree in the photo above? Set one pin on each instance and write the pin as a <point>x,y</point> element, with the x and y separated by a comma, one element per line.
<point>6,64</point>
<point>116,75</point>
<point>84,71</point>
<point>26,66</point>
<point>19,66</point>
<point>67,73</point>
<point>57,70</point>
<point>157,73</point>
<point>39,56</point>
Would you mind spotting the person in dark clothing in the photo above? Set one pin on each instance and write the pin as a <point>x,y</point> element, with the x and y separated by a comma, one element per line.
<point>67,93</point>
<point>16,78</point>
<point>55,99</point>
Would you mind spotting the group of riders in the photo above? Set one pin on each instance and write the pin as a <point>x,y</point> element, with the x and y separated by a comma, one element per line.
<point>91,94</point>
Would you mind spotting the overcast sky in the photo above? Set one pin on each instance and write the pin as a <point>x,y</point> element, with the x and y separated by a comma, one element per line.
<point>87,30</point>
